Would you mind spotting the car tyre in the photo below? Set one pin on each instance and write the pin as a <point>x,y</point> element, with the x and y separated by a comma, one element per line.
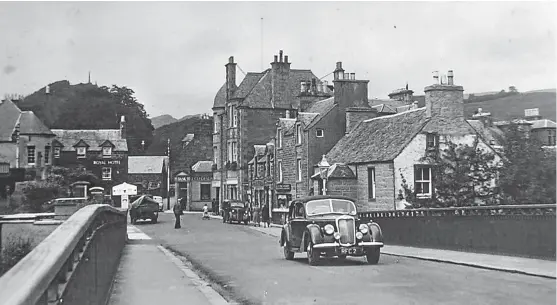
<point>289,255</point>
<point>246,222</point>
<point>372,255</point>
<point>154,220</point>
<point>313,256</point>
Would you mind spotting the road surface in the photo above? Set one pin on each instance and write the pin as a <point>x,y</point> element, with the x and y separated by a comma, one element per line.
<point>248,268</point>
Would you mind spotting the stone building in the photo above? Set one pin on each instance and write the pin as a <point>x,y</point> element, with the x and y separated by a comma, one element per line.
<point>542,129</point>
<point>383,151</point>
<point>245,115</point>
<point>261,170</point>
<point>102,151</point>
<point>149,174</point>
<point>312,132</point>
<point>25,145</point>
<point>195,187</point>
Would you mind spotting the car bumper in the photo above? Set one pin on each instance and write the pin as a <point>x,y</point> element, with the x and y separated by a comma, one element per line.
<point>360,244</point>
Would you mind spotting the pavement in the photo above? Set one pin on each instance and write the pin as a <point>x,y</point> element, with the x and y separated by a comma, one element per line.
<point>245,266</point>
<point>151,274</point>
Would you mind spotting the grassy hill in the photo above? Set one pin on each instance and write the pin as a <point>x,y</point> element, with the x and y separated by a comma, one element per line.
<point>162,120</point>
<point>513,106</point>
<point>184,156</point>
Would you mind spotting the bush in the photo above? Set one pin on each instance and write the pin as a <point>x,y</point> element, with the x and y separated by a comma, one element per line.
<point>13,251</point>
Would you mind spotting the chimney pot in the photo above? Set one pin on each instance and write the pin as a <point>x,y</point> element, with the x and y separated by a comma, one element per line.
<point>436,77</point>
<point>231,60</point>
<point>352,76</point>
<point>450,76</point>
<point>276,58</point>
<point>286,59</point>
<point>280,55</point>
<point>339,65</point>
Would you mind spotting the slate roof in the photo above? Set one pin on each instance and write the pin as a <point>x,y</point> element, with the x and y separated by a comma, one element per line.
<point>378,139</point>
<point>383,108</point>
<point>287,125</point>
<point>307,118</point>
<point>321,107</point>
<point>188,137</point>
<point>146,164</point>
<point>255,89</point>
<point>259,151</point>
<point>29,123</point>
<point>203,167</point>
<point>93,138</point>
<point>8,153</point>
<point>491,135</point>
<point>544,123</point>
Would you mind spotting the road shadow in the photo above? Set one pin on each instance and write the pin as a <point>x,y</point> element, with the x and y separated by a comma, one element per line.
<point>301,258</point>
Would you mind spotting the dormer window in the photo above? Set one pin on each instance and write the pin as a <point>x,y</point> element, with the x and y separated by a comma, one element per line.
<point>81,152</point>
<point>56,152</point>
<point>107,151</point>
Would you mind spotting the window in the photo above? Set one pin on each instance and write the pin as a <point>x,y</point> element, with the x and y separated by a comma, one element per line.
<point>422,182</point>
<point>205,193</point>
<point>31,155</point>
<point>81,151</point>
<point>215,155</point>
<point>371,183</point>
<point>299,169</point>
<point>107,173</point>
<point>280,170</point>
<point>234,152</point>
<point>107,151</point>
<point>229,152</point>
<point>230,116</point>
<point>216,125</point>
<point>279,136</point>
<point>319,132</point>
<point>431,140</point>
<point>551,138</point>
<point>57,152</point>
<point>47,154</point>
<point>235,119</point>
<point>298,134</point>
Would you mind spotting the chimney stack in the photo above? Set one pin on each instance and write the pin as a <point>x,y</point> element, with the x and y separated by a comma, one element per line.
<point>444,100</point>
<point>436,77</point>
<point>285,59</point>
<point>280,55</point>
<point>276,58</point>
<point>230,77</point>
<point>450,76</point>
<point>339,72</point>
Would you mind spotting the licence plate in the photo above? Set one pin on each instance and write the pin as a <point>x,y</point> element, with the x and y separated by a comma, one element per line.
<point>348,250</point>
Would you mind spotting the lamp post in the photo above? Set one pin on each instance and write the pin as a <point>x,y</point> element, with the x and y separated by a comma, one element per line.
<point>323,169</point>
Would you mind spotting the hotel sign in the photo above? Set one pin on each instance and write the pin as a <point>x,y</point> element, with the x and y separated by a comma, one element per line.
<point>106,162</point>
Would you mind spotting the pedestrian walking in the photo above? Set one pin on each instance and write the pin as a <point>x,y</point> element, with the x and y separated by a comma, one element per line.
<point>265,216</point>
<point>214,207</point>
<point>205,212</point>
<point>178,212</point>
<point>256,216</point>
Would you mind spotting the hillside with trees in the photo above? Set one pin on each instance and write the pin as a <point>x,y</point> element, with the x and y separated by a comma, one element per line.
<point>87,106</point>
<point>184,154</point>
<point>162,120</point>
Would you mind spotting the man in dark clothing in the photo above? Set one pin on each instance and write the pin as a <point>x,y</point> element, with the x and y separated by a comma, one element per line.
<point>178,213</point>
<point>265,215</point>
<point>214,207</point>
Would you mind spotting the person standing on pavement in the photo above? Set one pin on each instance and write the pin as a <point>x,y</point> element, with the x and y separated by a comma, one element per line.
<point>265,215</point>
<point>214,207</point>
<point>256,216</point>
<point>178,212</point>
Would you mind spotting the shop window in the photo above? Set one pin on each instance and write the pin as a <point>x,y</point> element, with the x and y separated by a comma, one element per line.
<point>205,193</point>
<point>31,158</point>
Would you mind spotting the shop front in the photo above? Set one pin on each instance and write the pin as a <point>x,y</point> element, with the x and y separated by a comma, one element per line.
<point>181,188</point>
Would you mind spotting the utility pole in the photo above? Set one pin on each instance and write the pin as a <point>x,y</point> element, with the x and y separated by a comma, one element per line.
<point>168,176</point>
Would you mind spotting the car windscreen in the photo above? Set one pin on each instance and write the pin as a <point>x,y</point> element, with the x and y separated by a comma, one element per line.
<point>326,206</point>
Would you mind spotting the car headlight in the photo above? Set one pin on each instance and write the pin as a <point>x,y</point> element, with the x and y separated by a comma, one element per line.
<point>363,228</point>
<point>329,229</point>
<point>336,235</point>
<point>359,235</point>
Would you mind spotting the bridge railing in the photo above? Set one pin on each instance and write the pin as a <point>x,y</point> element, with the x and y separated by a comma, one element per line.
<point>75,264</point>
<point>517,230</point>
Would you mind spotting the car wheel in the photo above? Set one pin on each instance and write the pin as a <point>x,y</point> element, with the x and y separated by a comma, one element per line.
<point>246,222</point>
<point>154,220</point>
<point>133,220</point>
<point>372,255</point>
<point>289,255</point>
<point>313,256</point>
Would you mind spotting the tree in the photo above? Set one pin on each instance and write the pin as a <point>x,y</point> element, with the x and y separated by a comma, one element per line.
<point>463,176</point>
<point>512,89</point>
<point>529,172</point>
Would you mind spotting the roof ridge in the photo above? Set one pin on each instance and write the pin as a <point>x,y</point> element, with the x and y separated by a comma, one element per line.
<point>320,116</point>
<point>392,115</point>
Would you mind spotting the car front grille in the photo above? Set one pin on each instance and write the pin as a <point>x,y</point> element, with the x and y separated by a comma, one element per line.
<point>346,228</point>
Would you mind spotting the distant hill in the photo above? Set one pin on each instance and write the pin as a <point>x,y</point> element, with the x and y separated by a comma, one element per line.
<point>513,106</point>
<point>88,106</point>
<point>184,156</point>
<point>162,120</point>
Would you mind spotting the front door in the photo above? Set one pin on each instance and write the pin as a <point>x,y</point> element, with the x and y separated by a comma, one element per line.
<point>298,224</point>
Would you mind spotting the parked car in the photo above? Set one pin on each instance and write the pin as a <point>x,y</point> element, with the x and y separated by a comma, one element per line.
<point>144,208</point>
<point>160,201</point>
<point>235,210</point>
<point>329,226</point>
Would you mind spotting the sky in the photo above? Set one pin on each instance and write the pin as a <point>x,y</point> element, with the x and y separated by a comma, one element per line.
<point>172,54</point>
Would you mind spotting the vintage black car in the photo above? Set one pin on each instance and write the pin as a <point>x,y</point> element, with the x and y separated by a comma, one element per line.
<point>144,208</point>
<point>235,210</point>
<point>329,226</point>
